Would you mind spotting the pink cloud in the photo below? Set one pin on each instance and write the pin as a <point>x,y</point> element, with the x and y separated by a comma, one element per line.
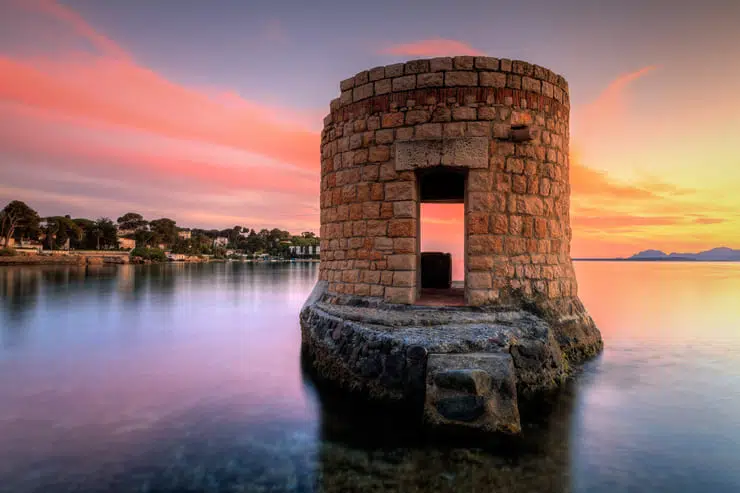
<point>432,47</point>
<point>102,116</point>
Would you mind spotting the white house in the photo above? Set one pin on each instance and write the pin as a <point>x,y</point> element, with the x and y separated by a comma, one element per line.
<point>304,249</point>
<point>221,241</point>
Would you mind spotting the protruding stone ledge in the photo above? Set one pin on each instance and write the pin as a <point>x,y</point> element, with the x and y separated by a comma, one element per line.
<point>474,390</point>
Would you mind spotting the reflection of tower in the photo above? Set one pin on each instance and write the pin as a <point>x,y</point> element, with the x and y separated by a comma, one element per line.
<point>540,461</point>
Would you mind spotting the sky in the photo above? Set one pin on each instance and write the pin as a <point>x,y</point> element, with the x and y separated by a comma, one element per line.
<point>210,112</point>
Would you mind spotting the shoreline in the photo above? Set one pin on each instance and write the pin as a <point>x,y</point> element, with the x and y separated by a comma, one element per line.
<point>108,259</point>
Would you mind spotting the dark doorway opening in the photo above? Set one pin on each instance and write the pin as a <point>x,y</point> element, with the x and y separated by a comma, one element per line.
<point>444,187</point>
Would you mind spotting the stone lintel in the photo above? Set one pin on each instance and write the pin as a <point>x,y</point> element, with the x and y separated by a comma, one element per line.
<point>463,152</point>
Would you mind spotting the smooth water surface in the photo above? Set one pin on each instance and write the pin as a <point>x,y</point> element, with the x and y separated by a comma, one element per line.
<point>188,378</point>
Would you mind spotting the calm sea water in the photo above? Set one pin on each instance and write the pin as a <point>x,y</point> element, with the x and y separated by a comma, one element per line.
<point>188,378</point>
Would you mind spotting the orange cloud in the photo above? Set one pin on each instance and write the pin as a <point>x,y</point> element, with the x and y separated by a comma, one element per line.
<point>709,220</point>
<point>432,47</point>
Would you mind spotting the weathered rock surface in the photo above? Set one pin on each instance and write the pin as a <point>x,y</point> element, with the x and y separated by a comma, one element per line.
<point>463,366</point>
<point>475,390</point>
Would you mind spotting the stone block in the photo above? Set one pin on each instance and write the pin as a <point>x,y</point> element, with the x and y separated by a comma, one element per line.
<point>362,92</point>
<point>362,78</point>
<point>379,154</point>
<point>428,131</point>
<point>513,81</point>
<point>404,279</point>
<point>377,73</point>
<point>440,64</point>
<point>347,84</point>
<point>463,113</point>
<point>416,67</point>
<point>479,129</point>
<point>432,79</point>
<point>472,391</point>
<point>377,290</point>
<point>480,262</point>
<point>405,83</point>
<point>499,224</point>
<point>404,245</point>
<point>486,113</point>
<point>492,79</point>
<point>377,228</point>
<point>392,119</point>
<point>402,227</point>
<point>477,223</point>
<point>394,70</point>
<point>468,152</point>
<point>442,114</point>
<point>532,85</point>
<point>463,62</point>
<point>383,244</point>
<point>383,86</point>
<point>404,209</point>
<point>414,117</point>
<point>479,280</point>
<point>400,190</point>
<point>404,296</point>
<point>486,63</point>
<point>453,79</point>
<point>402,262</point>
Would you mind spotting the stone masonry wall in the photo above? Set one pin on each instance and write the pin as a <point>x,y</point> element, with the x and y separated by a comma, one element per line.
<point>459,111</point>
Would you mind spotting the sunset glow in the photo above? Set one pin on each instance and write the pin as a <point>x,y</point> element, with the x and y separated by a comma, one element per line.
<point>102,113</point>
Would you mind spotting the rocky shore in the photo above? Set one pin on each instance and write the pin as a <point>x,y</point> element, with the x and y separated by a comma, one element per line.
<point>458,368</point>
<point>63,259</point>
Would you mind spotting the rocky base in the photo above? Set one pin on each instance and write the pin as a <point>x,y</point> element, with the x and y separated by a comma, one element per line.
<point>460,368</point>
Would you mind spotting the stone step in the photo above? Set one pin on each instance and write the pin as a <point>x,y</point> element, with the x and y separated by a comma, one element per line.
<point>473,391</point>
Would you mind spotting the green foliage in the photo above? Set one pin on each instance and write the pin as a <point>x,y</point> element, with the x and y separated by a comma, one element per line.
<point>131,221</point>
<point>58,229</point>
<point>153,254</point>
<point>17,220</point>
<point>7,252</point>
<point>163,230</point>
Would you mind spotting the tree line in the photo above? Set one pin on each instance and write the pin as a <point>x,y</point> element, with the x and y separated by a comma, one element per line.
<point>20,222</point>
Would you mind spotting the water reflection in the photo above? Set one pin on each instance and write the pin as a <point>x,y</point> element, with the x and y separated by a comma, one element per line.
<point>188,378</point>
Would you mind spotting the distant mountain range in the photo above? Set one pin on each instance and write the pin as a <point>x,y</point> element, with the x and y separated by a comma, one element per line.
<point>721,254</point>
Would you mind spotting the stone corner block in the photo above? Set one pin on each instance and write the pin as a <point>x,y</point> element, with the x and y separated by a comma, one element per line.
<point>473,391</point>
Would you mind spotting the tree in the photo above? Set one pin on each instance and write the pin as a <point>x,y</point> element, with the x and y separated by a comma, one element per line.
<point>165,231</point>
<point>88,234</point>
<point>144,237</point>
<point>131,221</point>
<point>17,219</point>
<point>105,233</point>
<point>59,229</point>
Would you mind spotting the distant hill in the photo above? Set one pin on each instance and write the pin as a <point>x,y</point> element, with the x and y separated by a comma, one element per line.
<point>721,254</point>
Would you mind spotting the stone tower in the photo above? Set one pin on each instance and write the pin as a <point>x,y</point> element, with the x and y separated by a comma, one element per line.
<point>488,133</point>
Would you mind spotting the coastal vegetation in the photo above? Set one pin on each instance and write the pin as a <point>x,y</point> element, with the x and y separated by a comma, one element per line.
<point>150,254</point>
<point>21,226</point>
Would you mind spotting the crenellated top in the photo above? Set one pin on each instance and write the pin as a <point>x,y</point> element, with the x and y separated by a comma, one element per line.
<point>453,72</point>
